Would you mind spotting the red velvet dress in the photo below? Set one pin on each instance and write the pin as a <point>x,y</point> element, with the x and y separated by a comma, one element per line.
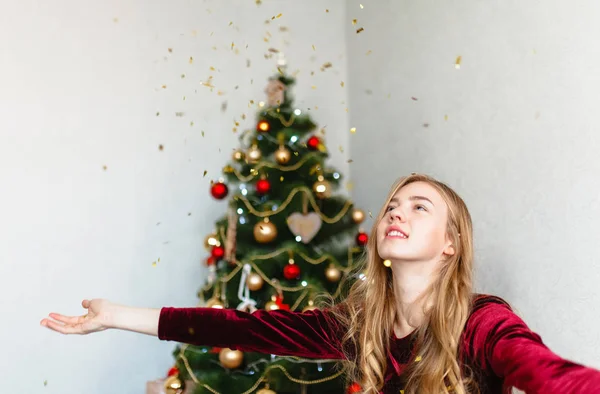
<point>497,345</point>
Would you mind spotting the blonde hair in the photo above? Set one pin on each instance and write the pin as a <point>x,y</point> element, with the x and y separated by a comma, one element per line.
<point>369,311</point>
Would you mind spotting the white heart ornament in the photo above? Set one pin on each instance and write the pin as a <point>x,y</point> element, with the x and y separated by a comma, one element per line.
<point>304,225</point>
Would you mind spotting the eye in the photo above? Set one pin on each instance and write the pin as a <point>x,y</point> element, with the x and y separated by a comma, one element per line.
<point>389,208</point>
<point>420,206</point>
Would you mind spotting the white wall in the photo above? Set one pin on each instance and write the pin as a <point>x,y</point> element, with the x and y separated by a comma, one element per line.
<point>520,142</point>
<point>81,83</point>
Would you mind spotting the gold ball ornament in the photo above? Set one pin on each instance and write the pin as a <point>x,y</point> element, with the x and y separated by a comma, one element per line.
<point>215,303</point>
<point>210,241</point>
<point>271,306</point>
<point>254,154</point>
<point>254,281</point>
<point>265,391</point>
<point>265,232</point>
<point>333,273</point>
<point>231,359</point>
<point>282,155</point>
<point>310,307</point>
<point>174,385</point>
<point>322,188</point>
<point>358,215</point>
<point>238,155</point>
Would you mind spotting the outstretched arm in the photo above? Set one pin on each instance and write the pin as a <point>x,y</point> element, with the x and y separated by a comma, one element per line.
<point>311,334</point>
<point>509,349</point>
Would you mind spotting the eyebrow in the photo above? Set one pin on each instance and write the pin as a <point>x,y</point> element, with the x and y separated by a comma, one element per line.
<point>415,198</point>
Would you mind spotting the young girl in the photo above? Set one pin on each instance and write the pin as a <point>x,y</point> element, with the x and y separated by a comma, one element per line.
<point>413,324</point>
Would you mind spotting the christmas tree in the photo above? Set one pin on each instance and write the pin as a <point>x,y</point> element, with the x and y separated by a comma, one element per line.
<point>285,238</point>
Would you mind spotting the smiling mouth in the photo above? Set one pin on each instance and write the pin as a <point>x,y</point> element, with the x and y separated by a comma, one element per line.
<point>396,234</point>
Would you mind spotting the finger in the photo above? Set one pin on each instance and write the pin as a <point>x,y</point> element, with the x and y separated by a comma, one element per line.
<point>63,329</point>
<point>67,319</point>
<point>85,303</point>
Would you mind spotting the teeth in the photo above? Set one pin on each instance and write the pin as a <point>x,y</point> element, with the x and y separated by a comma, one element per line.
<point>394,233</point>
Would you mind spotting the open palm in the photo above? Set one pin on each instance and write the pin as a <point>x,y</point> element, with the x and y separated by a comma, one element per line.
<point>95,320</point>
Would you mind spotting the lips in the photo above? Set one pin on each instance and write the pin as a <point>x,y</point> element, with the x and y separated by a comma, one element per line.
<point>395,232</point>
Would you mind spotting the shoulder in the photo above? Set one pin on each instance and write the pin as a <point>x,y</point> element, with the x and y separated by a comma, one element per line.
<point>488,302</point>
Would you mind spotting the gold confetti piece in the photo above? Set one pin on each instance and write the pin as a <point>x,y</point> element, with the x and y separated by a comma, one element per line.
<point>457,63</point>
<point>244,116</point>
<point>212,68</point>
<point>254,171</point>
<point>164,86</point>
<point>326,10</point>
<point>116,20</point>
<point>316,107</point>
<point>353,130</point>
<point>295,153</point>
<point>281,178</point>
<point>104,168</point>
<point>341,149</point>
<point>232,45</point>
<point>360,30</point>
<point>230,23</point>
<point>202,133</point>
<point>313,86</point>
<point>314,49</point>
<point>534,52</point>
<point>154,263</point>
<point>354,21</point>
<point>194,32</point>
<point>179,114</point>
<point>160,147</point>
<point>191,331</point>
<point>418,358</point>
<point>277,16</point>
<point>350,161</point>
<point>273,50</point>
<point>158,113</point>
<point>258,2</point>
<point>368,52</point>
<point>350,186</point>
<point>326,65</point>
<point>45,382</point>
<point>159,259</point>
<point>342,84</point>
<point>445,117</point>
<point>361,6</point>
<point>205,172</point>
<point>224,106</point>
<point>170,50</point>
<point>389,95</point>
<point>220,93</point>
<point>370,215</point>
<point>280,70</point>
<point>191,60</point>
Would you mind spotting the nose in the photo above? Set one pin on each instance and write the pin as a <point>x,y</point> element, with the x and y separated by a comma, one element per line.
<point>397,213</point>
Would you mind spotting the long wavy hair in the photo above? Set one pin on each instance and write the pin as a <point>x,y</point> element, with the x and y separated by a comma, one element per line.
<point>369,311</point>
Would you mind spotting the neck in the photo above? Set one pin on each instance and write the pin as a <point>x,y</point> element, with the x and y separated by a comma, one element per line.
<point>411,280</point>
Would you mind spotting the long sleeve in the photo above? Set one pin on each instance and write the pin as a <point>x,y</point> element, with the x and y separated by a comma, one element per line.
<point>504,346</point>
<point>312,334</point>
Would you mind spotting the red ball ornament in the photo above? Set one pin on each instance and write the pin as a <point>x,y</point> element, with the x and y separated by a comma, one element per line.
<point>263,186</point>
<point>210,260</point>
<point>354,388</point>
<point>291,271</point>
<point>263,126</point>
<point>362,238</point>
<point>313,143</point>
<point>219,190</point>
<point>217,252</point>
<point>173,371</point>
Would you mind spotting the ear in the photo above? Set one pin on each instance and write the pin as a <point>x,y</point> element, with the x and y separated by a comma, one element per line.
<point>449,249</point>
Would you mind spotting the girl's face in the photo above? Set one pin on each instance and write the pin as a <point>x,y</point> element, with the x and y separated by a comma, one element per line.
<point>414,225</point>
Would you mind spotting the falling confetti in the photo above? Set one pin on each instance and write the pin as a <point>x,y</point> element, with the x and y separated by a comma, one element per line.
<point>354,21</point>
<point>170,50</point>
<point>368,52</point>
<point>361,6</point>
<point>230,23</point>
<point>224,106</point>
<point>326,10</point>
<point>164,86</point>
<point>276,16</point>
<point>205,172</point>
<point>341,149</point>
<point>349,186</point>
<point>361,29</point>
<point>353,130</point>
<point>116,20</point>
<point>158,113</point>
<point>104,168</point>
<point>189,214</point>
<point>191,331</point>
<point>45,382</point>
<point>342,84</point>
<point>191,60</point>
<point>154,263</point>
<point>425,125</point>
<point>182,76</point>
<point>313,47</point>
<point>160,147</point>
<point>370,215</point>
<point>446,117</point>
<point>202,133</point>
<point>457,63</point>
<point>414,98</point>
<point>350,160</point>
<point>179,114</point>
<point>313,86</point>
<point>191,123</point>
<point>326,66</point>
